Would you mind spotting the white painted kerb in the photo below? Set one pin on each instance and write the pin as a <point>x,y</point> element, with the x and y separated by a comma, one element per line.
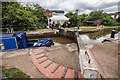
<point>88,67</point>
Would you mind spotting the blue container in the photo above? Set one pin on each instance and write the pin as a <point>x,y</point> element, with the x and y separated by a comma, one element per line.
<point>13,41</point>
<point>8,43</point>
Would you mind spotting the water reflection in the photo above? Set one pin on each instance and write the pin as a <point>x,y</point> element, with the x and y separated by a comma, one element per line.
<point>56,40</point>
<point>97,37</point>
<point>61,40</point>
<point>89,38</point>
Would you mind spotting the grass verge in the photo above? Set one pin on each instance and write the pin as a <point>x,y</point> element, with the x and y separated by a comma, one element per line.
<point>14,73</point>
<point>88,27</point>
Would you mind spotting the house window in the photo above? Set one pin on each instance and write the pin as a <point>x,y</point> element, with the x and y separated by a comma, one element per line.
<point>49,20</point>
<point>53,13</point>
<point>50,14</point>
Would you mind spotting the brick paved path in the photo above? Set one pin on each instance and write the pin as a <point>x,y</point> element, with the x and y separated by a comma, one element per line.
<point>53,70</point>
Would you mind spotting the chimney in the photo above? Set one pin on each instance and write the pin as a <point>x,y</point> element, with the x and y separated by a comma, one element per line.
<point>76,12</point>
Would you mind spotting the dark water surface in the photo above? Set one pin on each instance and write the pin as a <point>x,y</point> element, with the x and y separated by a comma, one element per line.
<point>88,38</point>
<point>56,40</point>
<point>97,37</point>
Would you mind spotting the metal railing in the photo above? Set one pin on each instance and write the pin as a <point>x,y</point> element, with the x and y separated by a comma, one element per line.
<point>8,30</point>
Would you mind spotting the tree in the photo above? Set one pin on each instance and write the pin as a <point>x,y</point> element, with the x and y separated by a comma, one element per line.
<point>38,11</point>
<point>15,15</point>
<point>104,17</point>
<point>108,20</point>
<point>82,17</point>
<point>74,19</point>
<point>118,19</point>
<point>94,16</point>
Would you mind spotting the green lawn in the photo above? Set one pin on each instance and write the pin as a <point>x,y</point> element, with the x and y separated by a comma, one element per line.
<point>82,28</point>
<point>87,27</point>
<point>15,73</point>
<point>111,26</point>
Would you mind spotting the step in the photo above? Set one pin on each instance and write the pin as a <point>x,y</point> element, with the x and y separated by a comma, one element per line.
<point>70,73</point>
<point>51,67</point>
<point>43,70</point>
<point>55,68</point>
<point>102,77</point>
<point>48,64</point>
<point>38,53</point>
<point>76,76</point>
<point>43,61</point>
<point>58,73</point>
<point>64,73</point>
<point>80,75</point>
<point>40,56</point>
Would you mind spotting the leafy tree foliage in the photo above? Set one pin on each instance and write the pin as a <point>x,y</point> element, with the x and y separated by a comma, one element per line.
<point>104,17</point>
<point>119,19</point>
<point>72,18</point>
<point>15,14</point>
<point>76,20</point>
<point>82,17</point>
<point>38,11</point>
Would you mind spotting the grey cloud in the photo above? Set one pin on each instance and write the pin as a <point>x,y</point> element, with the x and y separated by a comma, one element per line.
<point>81,5</point>
<point>111,9</point>
<point>103,5</point>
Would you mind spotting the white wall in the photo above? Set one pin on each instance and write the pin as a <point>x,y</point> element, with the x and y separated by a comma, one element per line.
<point>61,22</point>
<point>57,14</point>
<point>113,16</point>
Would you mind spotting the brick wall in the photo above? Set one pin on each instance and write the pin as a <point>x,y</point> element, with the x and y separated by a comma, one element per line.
<point>48,13</point>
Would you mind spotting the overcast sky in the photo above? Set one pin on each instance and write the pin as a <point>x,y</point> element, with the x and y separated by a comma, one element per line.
<point>84,6</point>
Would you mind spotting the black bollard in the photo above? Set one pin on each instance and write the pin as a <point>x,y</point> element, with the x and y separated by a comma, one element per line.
<point>78,28</point>
<point>113,33</point>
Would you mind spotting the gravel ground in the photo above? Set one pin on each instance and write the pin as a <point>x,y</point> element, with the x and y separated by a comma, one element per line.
<point>65,55</point>
<point>22,60</point>
<point>107,56</point>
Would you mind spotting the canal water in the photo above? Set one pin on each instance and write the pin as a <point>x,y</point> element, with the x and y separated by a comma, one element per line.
<point>98,37</point>
<point>56,39</point>
<point>61,40</point>
<point>88,38</point>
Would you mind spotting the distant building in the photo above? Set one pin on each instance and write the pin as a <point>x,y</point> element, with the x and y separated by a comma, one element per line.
<point>51,13</point>
<point>48,13</point>
<point>114,15</point>
<point>56,16</point>
<point>92,23</point>
<point>76,12</point>
<point>117,14</point>
<point>89,23</point>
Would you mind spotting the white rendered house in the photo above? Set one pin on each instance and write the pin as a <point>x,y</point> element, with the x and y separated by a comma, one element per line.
<point>56,16</point>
